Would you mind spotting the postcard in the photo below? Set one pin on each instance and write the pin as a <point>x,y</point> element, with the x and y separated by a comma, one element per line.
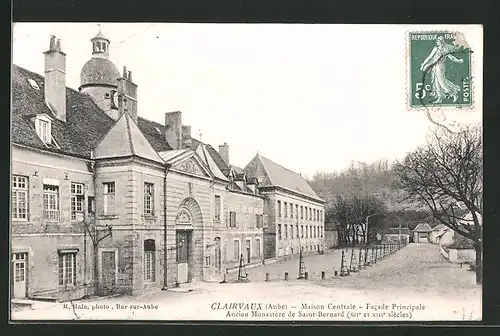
<point>246,172</point>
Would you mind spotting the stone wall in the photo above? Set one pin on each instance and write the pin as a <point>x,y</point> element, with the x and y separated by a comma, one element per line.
<point>42,238</point>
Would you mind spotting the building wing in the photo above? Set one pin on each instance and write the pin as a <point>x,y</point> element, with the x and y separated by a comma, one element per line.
<point>269,173</point>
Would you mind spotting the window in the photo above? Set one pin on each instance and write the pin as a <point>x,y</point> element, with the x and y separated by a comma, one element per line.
<point>237,250</point>
<point>291,231</point>
<point>301,212</point>
<point>257,247</point>
<point>296,211</point>
<point>314,214</point>
<point>109,198</point>
<point>291,210</point>
<point>279,231</point>
<point>321,232</point>
<point>51,202</point>
<point>286,209</point>
<point>286,231</point>
<point>149,192</point>
<point>310,231</point>
<point>67,269</point>
<point>279,208</point>
<point>149,260</point>
<point>307,212</point>
<point>302,231</point>
<point>77,198</point>
<point>19,197</point>
<point>91,205</point>
<point>217,208</point>
<point>43,130</point>
<point>310,214</point>
<point>296,231</point>
<point>259,220</point>
<point>232,219</point>
<point>307,231</point>
<point>208,261</point>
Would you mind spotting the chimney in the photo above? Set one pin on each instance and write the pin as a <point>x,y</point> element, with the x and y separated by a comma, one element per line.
<point>224,152</point>
<point>127,93</point>
<point>187,141</point>
<point>55,78</point>
<point>173,129</point>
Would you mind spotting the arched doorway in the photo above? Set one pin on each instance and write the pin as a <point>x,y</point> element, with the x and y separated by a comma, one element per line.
<point>187,219</point>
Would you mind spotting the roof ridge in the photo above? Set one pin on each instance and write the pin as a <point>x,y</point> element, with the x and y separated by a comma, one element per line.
<point>105,134</point>
<point>280,165</point>
<point>129,133</point>
<point>259,157</point>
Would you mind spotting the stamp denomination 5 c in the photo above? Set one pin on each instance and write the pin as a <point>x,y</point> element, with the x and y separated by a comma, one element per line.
<point>439,70</point>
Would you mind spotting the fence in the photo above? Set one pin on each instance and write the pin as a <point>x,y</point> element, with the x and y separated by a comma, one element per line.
<point>341,263</point>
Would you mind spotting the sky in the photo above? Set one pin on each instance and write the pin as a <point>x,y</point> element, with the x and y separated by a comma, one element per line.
<point>313,98</point>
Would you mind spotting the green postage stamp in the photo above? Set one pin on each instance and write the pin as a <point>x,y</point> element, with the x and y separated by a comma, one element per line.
<point>439,65</point>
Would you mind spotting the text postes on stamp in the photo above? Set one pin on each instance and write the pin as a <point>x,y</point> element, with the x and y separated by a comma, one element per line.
<point>439,70</point>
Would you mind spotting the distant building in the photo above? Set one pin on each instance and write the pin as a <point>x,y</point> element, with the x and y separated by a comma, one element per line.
<point>395,235</point>
<point>421,233</point>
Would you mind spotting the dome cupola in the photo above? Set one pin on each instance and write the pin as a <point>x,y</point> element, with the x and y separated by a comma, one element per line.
<point>99,70</point>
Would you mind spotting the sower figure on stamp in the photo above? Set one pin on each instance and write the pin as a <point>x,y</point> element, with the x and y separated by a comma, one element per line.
<point>441,87</point>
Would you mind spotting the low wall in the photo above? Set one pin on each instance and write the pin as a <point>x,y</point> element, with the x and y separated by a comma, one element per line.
<point>458,256</point>
<point>466,255</point>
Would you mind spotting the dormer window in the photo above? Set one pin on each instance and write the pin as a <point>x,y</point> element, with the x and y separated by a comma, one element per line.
<point>33,84</point>
<point>43,126</point>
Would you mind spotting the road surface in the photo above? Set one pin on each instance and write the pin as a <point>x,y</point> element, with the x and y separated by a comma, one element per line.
<point>415,283</point>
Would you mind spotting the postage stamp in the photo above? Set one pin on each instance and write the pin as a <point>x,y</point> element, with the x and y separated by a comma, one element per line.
<point>440,71</point>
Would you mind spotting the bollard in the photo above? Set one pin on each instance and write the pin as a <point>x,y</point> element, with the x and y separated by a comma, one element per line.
<point>224,279</point>
<point>286,276</point>
<point>322,275</point>
<point>267,276</point>
<point>306,275</point>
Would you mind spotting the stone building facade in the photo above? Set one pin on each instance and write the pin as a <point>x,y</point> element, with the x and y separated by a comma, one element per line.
<point>105,201</point>
<point>295,213</point>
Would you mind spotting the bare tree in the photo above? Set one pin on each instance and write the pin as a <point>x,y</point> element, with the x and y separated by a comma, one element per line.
<point>446,175</point>
<point>349,213</point>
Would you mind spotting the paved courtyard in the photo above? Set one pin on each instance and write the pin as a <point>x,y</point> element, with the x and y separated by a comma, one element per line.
<point>414,283</point>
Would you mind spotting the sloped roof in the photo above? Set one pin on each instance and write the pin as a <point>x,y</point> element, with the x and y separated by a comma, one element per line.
<point>269,173</point>
<point>467,219</point>
<point>174,155</point>
<point>439,227</point>
<point>218,160</point>
<point>155,133</point>
<point>124,139</point>
<point>85,123</point>
<point>237,169</point>
<point>209,161</point>
<point>85,126</point>
<point>422,227</point>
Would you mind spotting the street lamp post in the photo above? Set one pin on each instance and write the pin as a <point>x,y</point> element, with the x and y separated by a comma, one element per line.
<point>366,235</point>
